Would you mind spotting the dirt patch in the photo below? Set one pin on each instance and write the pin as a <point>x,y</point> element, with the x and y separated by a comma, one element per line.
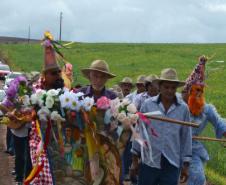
<point>7,162</point>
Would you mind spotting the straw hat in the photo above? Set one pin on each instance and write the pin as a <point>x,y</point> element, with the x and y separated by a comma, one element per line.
<point>169,75</point>
<point>141,79</point>
<point>151,78</point>
<point>99,66</point>
<point>126,80</point>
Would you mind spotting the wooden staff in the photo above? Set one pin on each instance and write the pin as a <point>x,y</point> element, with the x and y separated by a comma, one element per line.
<point>169,120</point>
<point>208,139</point>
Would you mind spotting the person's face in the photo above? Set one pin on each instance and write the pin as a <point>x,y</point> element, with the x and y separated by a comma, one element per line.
<point>197,91</point>
<point>185,95</point>
<point>152,89</point>
<point>140,87</point>
<point>98,80</point>
<point>126,88</point>
<point>52,77</point>
<point>168,90</point>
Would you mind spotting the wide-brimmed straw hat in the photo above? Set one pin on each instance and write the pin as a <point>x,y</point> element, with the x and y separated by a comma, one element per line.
<point>151,78</point>
<point>99,66</point>
<point>126,80</point>
<point>141,79</point>
<point>169,75</point>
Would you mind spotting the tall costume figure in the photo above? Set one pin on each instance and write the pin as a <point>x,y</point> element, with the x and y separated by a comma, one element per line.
<point>201,113</point>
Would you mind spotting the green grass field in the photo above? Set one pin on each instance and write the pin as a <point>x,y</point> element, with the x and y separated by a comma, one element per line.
<point>135,59</point>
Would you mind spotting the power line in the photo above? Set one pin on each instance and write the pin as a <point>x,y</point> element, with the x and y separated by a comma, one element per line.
<point>61,17</point>
<point>29,34</point>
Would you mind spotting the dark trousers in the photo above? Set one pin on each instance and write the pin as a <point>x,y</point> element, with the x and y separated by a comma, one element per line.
<point>167,175</point>
<point>9,141</point>
<point>23,164</point>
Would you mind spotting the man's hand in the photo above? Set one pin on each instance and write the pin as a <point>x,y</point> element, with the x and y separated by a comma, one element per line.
<point>224,134</point>
<point>184,173</point>
<point>113,126</point>
<point>11,116</point>
<point>133,172</point>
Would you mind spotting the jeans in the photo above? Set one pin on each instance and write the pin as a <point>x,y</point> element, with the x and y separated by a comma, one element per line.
<point>9,141</point>
<point>196,172</point>
<point>167,175</point>
<point>127,161</point>
<point>23,164</point>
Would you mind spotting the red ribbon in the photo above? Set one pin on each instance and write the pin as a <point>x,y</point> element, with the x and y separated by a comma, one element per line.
<point>148,122</point>
<point>47,134</point>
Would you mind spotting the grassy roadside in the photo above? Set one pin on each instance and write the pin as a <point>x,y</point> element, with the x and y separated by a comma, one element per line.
<point>135,59</point>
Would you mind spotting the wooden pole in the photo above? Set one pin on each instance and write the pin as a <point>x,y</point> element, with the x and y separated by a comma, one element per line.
<point>169,120</point>
<point>208,139</point>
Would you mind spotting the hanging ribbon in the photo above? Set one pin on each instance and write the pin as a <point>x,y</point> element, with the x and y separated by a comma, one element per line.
<point>60,139</point>
<point>147,122</point>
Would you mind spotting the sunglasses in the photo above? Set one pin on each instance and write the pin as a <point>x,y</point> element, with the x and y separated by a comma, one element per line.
<point>54,73</point>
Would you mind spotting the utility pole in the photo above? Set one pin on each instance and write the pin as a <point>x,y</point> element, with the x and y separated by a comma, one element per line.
<point>61,17</point>
<point>29,34</point>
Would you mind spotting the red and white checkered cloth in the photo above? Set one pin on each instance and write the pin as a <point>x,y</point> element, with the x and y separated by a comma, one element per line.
<point>45,176</point>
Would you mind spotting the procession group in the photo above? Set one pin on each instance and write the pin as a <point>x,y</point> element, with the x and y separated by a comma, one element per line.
<point>169,154</point>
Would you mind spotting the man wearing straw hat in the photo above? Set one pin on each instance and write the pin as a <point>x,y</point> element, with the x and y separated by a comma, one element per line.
<point>201,113</point>
<point>152,90</point>
<point>140,88</point>
<point>98,74</point>
<point>126,85</point>
<point>171,145</point>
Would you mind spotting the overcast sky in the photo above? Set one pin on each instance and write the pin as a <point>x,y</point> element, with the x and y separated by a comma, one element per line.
<point>117,20</point>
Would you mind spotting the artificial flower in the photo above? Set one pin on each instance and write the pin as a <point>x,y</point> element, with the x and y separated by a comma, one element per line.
<point>49,102</point>
<point>125,102</point>
<point>75,103</point>
<point>34,99</point>
<point>43,113</point>
<point>65,99</point>
<point>103,103</point>
<point>26,100</point>
<point>88,103</point>
<point>131,108</point>
<point>40,93</point>
<point>55,116</point>
<point>121,116</point>
<point>52,92</point>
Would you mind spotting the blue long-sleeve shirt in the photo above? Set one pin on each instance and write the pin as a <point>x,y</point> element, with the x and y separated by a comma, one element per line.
<point>209,114</point>
<point>174,141</point>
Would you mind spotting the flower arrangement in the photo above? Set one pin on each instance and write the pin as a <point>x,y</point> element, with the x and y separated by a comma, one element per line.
<point>124,111</point>
<point>16,103</point>
<point>18,93</point>
<point>50,104</point>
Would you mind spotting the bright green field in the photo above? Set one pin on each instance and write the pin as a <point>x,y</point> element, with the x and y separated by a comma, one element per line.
<point>135,59</point>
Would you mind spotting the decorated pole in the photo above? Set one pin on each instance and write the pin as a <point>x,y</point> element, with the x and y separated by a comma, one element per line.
<point>169,120</point>
<point>208,139</point>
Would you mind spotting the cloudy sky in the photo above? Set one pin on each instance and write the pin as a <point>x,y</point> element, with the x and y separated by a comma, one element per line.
<point>117,20</point>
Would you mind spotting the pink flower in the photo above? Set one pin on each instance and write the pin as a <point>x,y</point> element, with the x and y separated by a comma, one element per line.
<point>103,103</point>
